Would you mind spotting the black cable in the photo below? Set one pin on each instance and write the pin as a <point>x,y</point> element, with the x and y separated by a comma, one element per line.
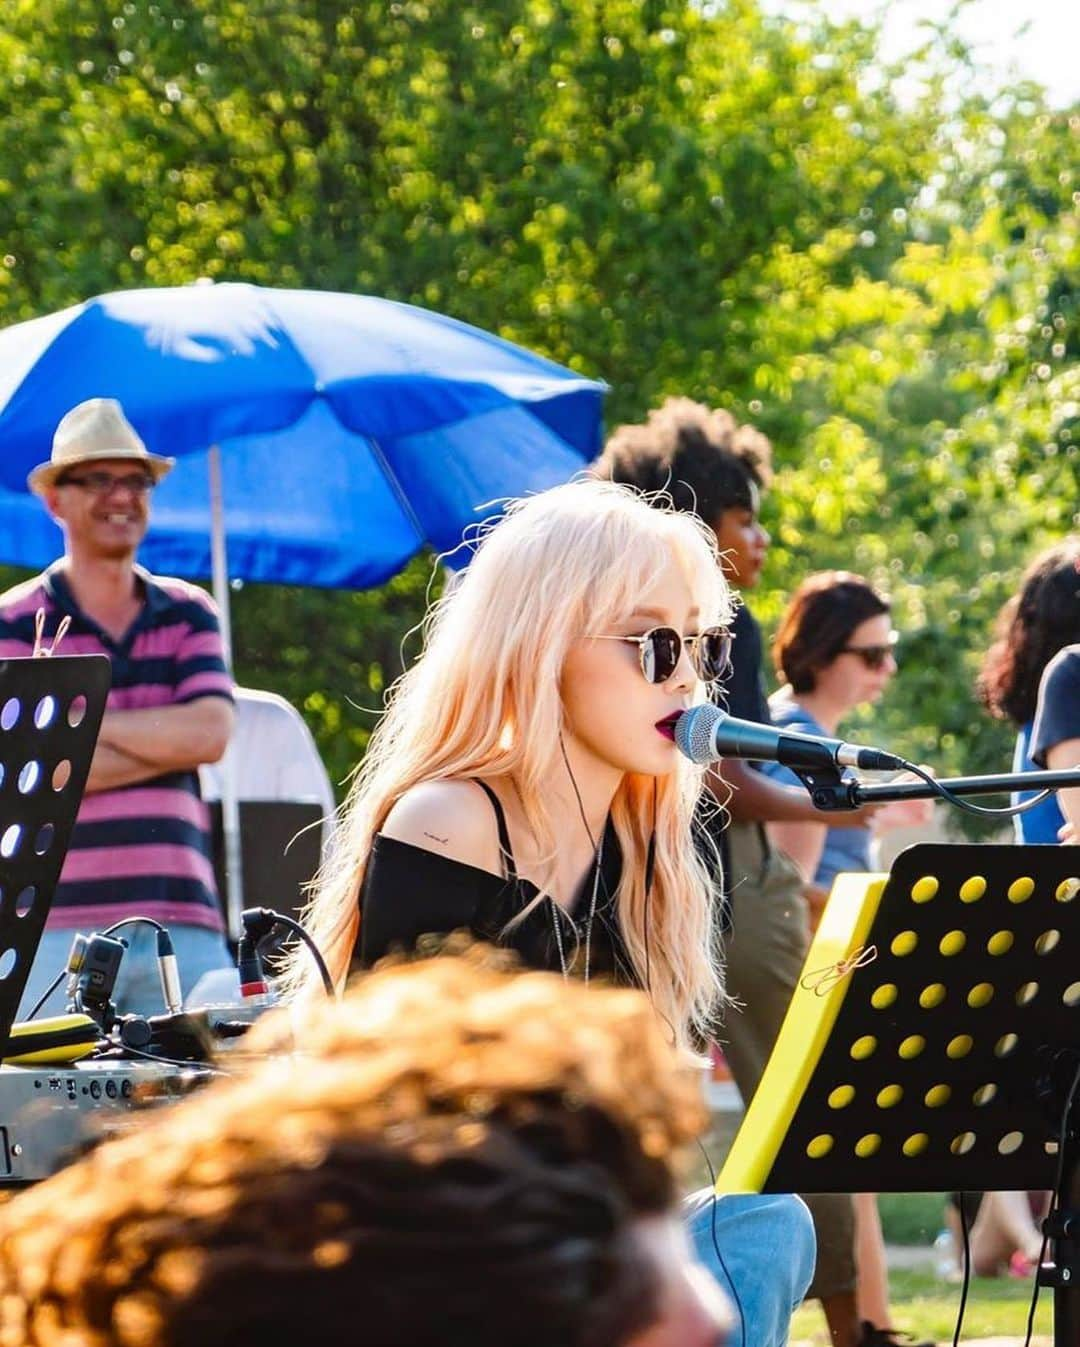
<point>648,955</point>
<point>994,811</point>
<point>1025,805</point>
<point>126,1049</point>
<point>279,918</point>
<point>1035,1291</point>
<point>597,858</point>
<point>48,992</point>
<point>1058,1196</point>
<point>577,794</point>
<point>713,1200</point>
<point>116,926</point>
<point>648,960</point>
<point>966,1280</point>
<point>132,921</point>
<point>648,987</point>
<point>650,866</point>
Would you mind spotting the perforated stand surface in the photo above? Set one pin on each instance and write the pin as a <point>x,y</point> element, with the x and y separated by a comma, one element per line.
<point>928,1078</point>
<point>50,714</point>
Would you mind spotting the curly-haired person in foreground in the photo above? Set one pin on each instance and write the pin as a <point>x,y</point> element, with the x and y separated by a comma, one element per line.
<point>457,1155</point>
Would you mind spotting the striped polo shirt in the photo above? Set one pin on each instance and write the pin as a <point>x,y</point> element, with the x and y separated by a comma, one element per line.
<point>142,849</point>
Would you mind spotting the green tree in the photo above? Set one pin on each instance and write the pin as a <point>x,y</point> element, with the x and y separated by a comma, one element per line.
<point>691,198</point>
<point>950,449</point>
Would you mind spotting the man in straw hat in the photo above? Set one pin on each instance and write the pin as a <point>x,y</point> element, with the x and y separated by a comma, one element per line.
<point>141,844</point>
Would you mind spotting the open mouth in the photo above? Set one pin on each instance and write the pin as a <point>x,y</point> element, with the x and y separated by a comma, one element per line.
<point>666,727</point>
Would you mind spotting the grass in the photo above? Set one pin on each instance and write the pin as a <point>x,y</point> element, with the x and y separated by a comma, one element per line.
<point>923,1305</point>
<point>926,1307</point>
<point>911,1218</point>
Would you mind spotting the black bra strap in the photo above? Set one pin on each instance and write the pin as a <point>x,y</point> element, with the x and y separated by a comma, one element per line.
<point>504,833</point>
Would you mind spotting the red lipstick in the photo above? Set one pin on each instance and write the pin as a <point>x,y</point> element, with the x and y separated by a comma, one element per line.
<point>667,726</point>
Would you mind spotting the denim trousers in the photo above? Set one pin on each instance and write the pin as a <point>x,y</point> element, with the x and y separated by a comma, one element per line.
<point>138,985</point>
<point>760,1248</point>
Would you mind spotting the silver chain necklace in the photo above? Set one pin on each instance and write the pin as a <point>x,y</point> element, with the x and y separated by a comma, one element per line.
<point>556,918</point>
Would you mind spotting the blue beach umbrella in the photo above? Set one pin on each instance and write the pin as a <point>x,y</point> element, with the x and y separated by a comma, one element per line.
<point>321,438</point>
<point>343,432</point>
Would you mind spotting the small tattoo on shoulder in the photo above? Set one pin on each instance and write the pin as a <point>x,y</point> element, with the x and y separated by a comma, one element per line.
<point>443,840</point>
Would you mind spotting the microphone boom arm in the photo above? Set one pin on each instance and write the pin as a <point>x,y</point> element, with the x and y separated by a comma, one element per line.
<point>830,793</point>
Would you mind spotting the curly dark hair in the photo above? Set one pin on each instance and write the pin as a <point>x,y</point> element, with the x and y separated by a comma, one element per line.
<point>457,1154</point>
<point>1031,628</point>
<point>699,456</point>
<point>818,622</point>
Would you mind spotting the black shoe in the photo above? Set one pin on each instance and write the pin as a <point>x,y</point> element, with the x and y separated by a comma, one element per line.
<point>872,1336</point>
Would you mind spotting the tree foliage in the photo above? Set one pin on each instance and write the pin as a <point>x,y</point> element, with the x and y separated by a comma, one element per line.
<point>879,269</point>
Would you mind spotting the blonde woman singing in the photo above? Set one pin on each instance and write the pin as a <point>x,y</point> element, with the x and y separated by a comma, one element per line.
<point>524,785</point>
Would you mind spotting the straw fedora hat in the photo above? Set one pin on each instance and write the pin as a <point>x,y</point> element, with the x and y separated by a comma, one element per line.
<point>95,429</point>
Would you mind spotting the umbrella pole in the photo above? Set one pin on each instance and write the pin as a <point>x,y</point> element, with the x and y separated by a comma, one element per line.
<point>230,805</point>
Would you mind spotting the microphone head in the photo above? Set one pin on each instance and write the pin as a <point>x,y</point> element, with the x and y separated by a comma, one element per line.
<point>694,731</point>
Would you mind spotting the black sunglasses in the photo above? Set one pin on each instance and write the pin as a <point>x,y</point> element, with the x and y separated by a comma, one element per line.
<point>660,650</point>
<point>873,656</point>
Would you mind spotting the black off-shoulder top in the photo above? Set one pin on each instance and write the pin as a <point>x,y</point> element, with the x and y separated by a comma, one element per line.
<point>409,892</point>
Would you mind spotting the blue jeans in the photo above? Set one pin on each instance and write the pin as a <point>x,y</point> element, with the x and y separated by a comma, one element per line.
<point>762,1256</point>
<point>138,986</point>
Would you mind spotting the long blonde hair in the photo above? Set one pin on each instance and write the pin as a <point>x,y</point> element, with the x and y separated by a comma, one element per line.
<point>483,701</point>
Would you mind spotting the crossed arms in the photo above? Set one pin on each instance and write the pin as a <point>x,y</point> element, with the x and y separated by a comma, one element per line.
<point>136,746</point>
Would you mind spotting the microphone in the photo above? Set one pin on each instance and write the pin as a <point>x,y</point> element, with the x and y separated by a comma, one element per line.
<point>249,966</point>
<point>169,973</point>
<point>706,733</point>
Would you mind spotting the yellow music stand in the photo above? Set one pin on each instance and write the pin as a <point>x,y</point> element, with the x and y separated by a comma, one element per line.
<point>934,1034</point>
<point>921,1058</point>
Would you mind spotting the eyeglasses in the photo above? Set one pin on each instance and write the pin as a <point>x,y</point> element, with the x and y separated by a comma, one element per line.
<point>660,650</point>
<point>102,483</point>
<point>873,656</point>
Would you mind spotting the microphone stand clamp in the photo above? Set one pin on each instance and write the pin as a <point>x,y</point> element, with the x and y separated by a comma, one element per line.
<point>829,791</point>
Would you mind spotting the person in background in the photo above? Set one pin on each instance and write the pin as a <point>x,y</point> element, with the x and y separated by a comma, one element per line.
<point>524,785</point>
<point>834,652</point>
<point>1055,734</point>
<point>140,847</point>
<point>1037,622</point>
<point>457,1155</point>
<point>710,467</point>
<point>1031,676</point>
<point>1005,1234</point>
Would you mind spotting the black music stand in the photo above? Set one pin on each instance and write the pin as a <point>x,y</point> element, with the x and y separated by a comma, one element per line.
<point>50,714</point>
<point>932,1041</point>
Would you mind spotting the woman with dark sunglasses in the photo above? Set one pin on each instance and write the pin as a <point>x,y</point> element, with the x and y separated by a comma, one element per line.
<point>833,652</point>
<point>524,786</point>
